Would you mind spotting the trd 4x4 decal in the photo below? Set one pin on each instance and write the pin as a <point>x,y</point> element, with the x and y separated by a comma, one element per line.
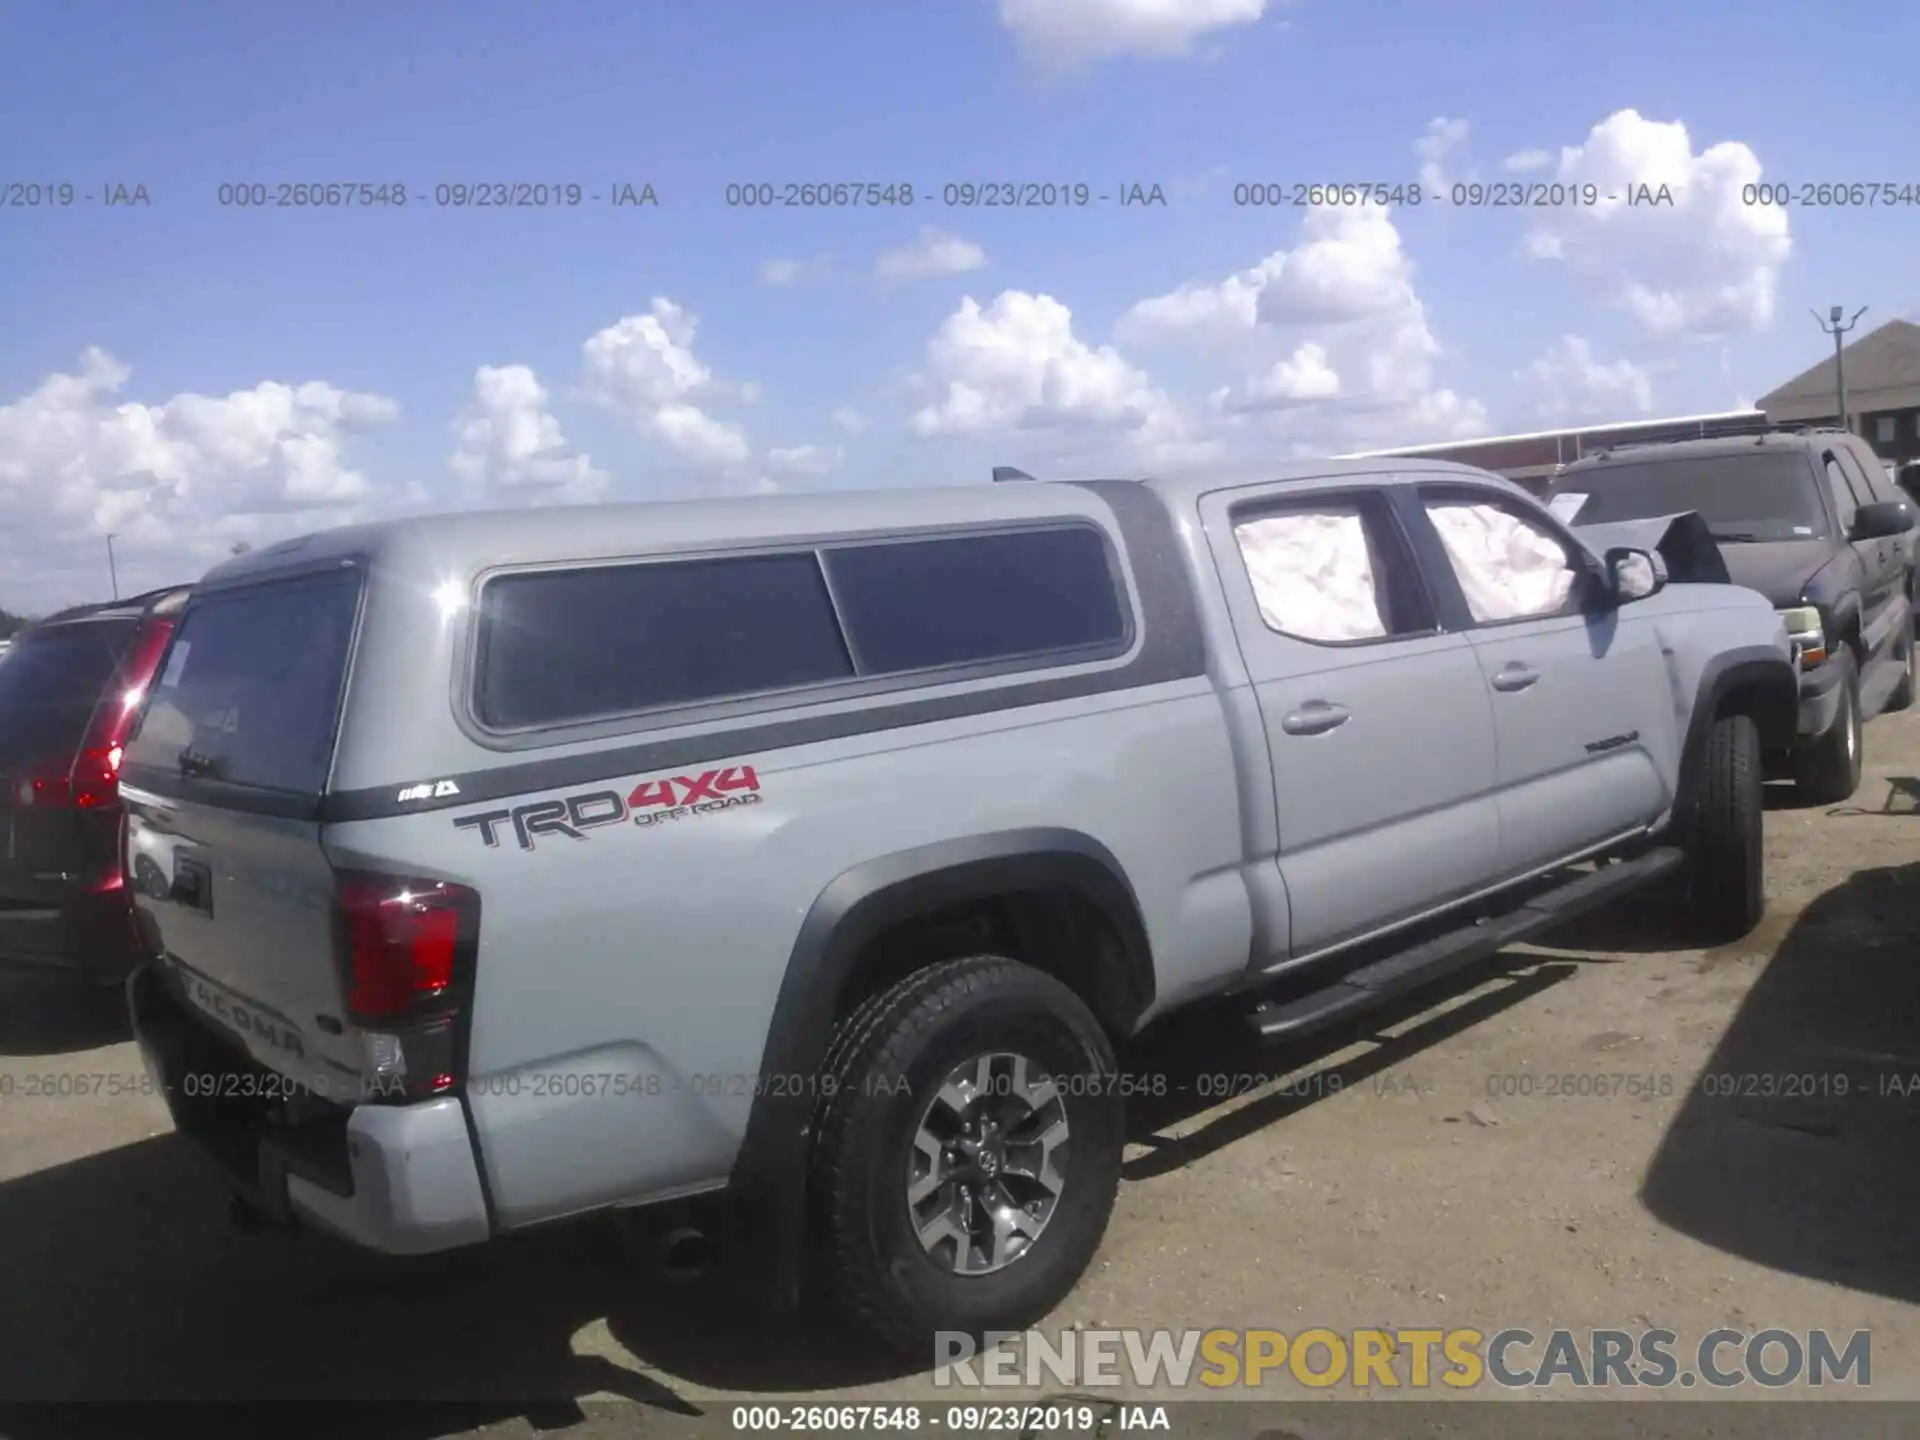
<point>651,803</point>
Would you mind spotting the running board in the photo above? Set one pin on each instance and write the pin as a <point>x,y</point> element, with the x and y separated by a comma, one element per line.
<point>1428,961</point>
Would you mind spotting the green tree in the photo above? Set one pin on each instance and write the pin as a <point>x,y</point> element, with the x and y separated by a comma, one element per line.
<point>11,623</point>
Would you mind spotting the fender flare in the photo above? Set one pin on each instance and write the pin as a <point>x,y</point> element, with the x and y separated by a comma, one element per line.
<point>768,1185</point>
<point>1774,682</point>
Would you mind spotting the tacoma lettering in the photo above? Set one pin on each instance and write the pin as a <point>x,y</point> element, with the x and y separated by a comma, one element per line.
<point>247,1022</point>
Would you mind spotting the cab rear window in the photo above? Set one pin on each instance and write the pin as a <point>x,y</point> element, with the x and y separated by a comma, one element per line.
<point>249,692</point>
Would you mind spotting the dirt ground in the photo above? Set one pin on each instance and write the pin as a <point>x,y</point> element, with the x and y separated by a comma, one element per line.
<point>1417,1175</point>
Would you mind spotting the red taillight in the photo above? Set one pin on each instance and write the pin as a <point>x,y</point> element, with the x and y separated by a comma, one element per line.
<point>92,779</point>
<point>405,940</point>
<point>47,786</point>
<point>96,777</point>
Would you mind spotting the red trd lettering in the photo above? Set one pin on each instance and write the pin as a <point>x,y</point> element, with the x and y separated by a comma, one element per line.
<point>651,792</point>
<point>699,788</point>
<point>710,785</point>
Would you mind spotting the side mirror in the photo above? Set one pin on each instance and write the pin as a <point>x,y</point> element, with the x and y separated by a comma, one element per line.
<point>1881,520</point>
<point>1635,574</point>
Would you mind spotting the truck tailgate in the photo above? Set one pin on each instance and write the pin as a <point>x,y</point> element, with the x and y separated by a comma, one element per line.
<point>222,783</point>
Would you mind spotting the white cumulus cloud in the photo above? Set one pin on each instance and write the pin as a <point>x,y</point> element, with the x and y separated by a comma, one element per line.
<point>931,252</point>
<point>1061,35</point>
<point>178,482</point>
<point>1525,162</point>
<point>1332,332</point>
<point>1301,378</point>
<point>786,271</point>
<point>1444,138</point>
<point>509,446</point>
<point>1017,365</point>
<point>643,369</point>
<point>1570,384</point>
<point>1702,266</point>
<point>804,460</point>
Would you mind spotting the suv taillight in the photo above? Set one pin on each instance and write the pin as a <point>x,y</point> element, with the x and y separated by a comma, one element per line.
<point>92,778</point>
<point>96,777</point>
<point>410,946</point>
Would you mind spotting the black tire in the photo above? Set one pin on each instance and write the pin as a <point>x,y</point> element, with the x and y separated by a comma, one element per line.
<point>1902,697</point>
<point>1827,770</point>
<point>885,1065</point>
<point>1728,871</point>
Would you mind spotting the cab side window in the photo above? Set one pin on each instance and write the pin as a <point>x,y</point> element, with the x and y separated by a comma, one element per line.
<point>1870,472</point>
<point>1846,504</point>
<point>1332,571</point>
<point>1510,565</point>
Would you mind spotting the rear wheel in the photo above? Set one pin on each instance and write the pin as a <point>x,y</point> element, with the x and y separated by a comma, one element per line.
<point>1728,889</point>
<point>968,1153</point>
<point>1827,770</point>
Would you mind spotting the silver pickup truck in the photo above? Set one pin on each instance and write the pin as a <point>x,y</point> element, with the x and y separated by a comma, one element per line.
<point>815,853</point>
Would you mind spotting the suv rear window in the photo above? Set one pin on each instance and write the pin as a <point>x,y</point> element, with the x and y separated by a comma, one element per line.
<point>912,605</point>
<point>249,693</point>
<point>50,683</point>
<point>1757,495</point>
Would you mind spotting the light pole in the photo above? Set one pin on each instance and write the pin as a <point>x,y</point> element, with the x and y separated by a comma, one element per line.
<point>113,570</point>
<point>1838,331</point>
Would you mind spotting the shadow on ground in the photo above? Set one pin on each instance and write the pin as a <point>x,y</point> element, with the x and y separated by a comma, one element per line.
<point>1798,1146</point>
<point>1901,800</point>
<point>124,1280</point>
<point>45,1016</point>
<point>1654,921</point>
<point>1204,1059</point>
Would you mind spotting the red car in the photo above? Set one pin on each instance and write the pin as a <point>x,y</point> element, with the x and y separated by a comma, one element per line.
<point>69,687</point>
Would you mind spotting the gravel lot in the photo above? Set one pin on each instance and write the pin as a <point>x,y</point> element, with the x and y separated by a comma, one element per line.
<point>1417,1175</point>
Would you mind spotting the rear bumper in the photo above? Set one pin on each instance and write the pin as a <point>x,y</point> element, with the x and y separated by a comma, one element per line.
<point>399,1179</point>
<point>89,936</point>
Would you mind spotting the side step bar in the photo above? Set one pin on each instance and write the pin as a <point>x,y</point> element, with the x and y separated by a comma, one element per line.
<point>1428,961</point>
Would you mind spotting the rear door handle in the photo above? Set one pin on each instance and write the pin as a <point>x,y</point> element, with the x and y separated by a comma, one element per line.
<point>1316,717</point>
<point>1515,676</point>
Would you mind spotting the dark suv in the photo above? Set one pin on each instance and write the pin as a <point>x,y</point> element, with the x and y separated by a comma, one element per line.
<point>69,687</point>
<point>1909,479</point>
<point>1811,520</point>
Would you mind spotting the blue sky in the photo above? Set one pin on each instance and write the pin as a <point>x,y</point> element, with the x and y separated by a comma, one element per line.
<point>1399,325</point>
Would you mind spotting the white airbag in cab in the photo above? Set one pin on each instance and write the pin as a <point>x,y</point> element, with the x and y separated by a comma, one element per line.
<point>1313,574</point>
<point>1507,568</point>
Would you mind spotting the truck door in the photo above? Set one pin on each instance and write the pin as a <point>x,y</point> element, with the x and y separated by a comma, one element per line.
<point>1377,721</point>
<point>1583,711</point>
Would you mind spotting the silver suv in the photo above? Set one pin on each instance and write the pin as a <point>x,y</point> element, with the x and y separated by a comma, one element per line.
<point>816,852</point>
